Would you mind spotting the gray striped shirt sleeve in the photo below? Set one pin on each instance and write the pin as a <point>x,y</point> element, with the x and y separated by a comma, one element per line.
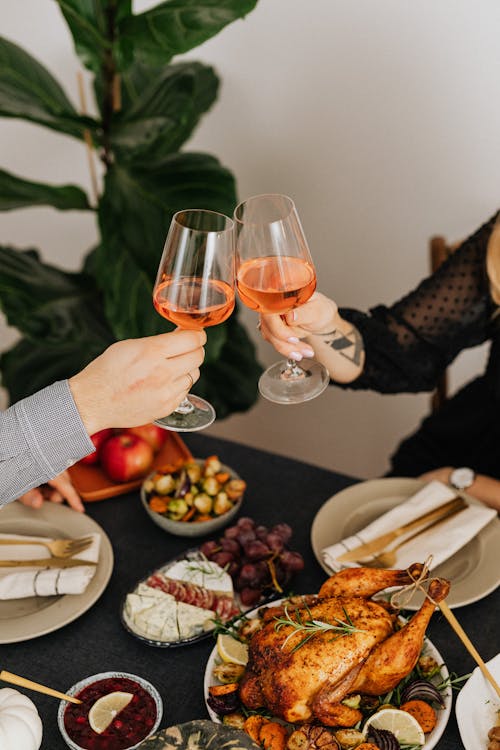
<point>40,436</point>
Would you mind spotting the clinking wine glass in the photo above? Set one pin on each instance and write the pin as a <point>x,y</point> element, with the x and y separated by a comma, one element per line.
<point>194,289</point>
<point>274,274</point>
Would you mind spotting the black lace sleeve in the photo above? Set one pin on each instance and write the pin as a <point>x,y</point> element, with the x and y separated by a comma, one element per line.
<point>409,344</point>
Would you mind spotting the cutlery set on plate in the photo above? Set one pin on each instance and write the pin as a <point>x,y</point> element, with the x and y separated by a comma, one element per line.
<point>379,554</point>
<point>61,551</point>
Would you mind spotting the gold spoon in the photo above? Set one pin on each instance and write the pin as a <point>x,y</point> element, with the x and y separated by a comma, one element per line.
<point>15,679</point>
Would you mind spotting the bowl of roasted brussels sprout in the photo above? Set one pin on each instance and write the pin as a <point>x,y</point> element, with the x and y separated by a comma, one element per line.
<point>194,499</point>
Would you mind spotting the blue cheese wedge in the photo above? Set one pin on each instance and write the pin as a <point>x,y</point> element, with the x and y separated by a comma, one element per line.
<point>153,616</point>
<point>201,573</point>
<point>193,620</point>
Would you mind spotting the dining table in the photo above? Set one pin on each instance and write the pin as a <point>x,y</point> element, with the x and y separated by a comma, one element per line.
<point>279,489</point>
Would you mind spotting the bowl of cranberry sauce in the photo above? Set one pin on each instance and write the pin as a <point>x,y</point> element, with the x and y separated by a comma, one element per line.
<point>128,726</point>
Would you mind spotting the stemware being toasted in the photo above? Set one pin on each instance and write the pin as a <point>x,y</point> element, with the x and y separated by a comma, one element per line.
<point>194,289</point>
<point>274,274</point>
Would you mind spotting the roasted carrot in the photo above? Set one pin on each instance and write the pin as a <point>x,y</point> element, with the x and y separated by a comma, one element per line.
<point>227,689</point>
<point>158,504</point>
<point>222,476</point>
<point>253,726</point>
<point>273,736</point>
<point>203,517</point>
<point>188,516</point>
<point>367,746</point>
<point>422,712</point>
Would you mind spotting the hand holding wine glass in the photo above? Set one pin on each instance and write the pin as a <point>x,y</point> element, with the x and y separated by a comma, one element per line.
<point>274,275</point>
<point>195,289</point>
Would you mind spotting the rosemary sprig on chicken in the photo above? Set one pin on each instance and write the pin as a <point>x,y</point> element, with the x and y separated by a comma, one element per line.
<point>311,626</point>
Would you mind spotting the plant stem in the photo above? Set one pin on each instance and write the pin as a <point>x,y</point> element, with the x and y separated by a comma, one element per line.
<point>109,86</point>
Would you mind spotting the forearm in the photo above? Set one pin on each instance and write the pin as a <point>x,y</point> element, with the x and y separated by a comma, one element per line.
<point>487,490</point>
<point>340,349</point>
<point>40,437</point>
<point>484,488</point>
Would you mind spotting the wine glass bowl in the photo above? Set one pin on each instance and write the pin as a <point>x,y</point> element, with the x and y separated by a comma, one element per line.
<point>274,274</point>
<point>194,289</point>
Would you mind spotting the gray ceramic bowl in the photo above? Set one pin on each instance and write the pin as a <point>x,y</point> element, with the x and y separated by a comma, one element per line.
<point>103,676</point>
<point>192,528</point>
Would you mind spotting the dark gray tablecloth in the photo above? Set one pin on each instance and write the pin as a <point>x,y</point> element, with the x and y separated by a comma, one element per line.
<point>278,490</point>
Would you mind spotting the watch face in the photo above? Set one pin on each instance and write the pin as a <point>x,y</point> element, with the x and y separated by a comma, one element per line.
<point>462,478</point>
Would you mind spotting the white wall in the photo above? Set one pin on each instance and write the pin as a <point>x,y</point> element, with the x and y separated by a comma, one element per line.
<point>381,118</point>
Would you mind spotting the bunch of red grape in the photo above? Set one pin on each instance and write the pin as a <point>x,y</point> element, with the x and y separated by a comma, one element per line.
<point>257,558</point>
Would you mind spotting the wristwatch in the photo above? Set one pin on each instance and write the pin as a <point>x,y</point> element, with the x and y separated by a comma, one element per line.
<point>462,478</point>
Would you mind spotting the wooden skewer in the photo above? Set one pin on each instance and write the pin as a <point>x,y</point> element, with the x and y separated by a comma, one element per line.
<point>15,679</point>
<point>469,645</point>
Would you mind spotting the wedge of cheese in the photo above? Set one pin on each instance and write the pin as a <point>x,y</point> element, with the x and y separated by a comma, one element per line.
<point>193,620</point>
<point>202,573</point>
<point>153,616</point>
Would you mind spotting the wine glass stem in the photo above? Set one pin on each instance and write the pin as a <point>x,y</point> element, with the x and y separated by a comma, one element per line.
<point>292,371</point>
<point>185,407</point>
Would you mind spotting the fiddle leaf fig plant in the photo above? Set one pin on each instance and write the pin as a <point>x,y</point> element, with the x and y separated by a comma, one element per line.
<point>148,107</point>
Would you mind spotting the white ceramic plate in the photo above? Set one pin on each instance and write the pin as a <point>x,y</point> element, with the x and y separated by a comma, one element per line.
<point>22,619</point>
<point>477,706</point>
<point>473,570</point>
<point>429,649</point>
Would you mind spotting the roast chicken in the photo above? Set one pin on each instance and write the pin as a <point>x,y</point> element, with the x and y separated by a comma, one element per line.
<point>302,672</point>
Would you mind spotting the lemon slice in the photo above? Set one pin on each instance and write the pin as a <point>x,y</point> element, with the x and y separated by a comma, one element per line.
<point>403,725</point>
<point>106,709</point>
<point>231,650</point>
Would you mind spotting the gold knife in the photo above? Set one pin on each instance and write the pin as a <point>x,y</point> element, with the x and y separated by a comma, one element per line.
<point>46,562</point>
<point>380,542</point>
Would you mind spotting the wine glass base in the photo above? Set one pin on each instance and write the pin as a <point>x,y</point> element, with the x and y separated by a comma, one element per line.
<point>276,387</point>
<point>202,416</point>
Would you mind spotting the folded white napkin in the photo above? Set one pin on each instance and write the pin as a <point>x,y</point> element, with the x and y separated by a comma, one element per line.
<point>19,583</point>
<point>441,542</point>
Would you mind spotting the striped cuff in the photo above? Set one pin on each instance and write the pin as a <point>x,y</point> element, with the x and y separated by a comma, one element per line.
<point>53,428</point>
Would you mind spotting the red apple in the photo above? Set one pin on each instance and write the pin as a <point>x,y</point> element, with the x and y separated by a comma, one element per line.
<point>151,433</point>
<point>98,438</point>
<point>126,457</point>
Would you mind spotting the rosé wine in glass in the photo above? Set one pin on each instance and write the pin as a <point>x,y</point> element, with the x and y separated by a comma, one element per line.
<point>194,302</point>
<point>194,289</point>
<point>274,274</point>
<point>275,285</point>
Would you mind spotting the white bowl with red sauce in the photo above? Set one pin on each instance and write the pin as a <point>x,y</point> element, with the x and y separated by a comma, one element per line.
<point>132,725</point>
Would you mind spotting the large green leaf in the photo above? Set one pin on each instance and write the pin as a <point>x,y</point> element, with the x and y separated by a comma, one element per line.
<point>92,24</point>
<point>138,204</point>
<point>28,90</point>
<point>135,213</point>
<point>31,365</point>
<point>17,193</point>
<point>161,109</point>
<point>176,26</point>
<point>50,306</point>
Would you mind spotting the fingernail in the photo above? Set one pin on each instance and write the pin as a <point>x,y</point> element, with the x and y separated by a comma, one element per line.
<point>293,315</point>
<point>293,340</point>
<point>296,355</point>
<point>308,353</point>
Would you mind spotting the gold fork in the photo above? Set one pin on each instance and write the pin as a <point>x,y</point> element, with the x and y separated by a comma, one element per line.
<point>57,547</point>
<point>387,558</point>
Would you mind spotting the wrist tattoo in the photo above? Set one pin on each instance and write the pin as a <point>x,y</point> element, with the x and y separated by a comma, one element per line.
<point>348,345</point>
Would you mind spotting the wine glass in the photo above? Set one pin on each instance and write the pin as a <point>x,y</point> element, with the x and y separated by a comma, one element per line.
<point>274,274</point>
<point>194,289</point>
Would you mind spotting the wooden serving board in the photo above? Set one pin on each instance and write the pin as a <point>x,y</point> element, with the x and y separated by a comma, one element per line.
<point>91,482</point>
